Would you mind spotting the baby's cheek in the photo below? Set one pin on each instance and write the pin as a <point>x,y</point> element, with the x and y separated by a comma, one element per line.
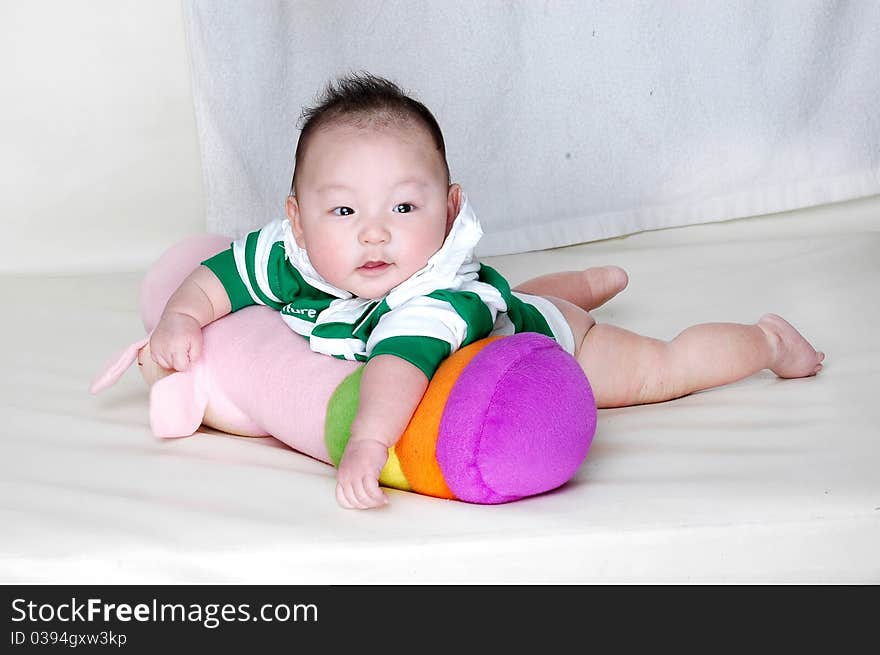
<point>426,244</point>
<point>328,259</point>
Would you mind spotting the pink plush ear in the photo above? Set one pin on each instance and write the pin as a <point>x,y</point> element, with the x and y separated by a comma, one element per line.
<point>116,366</point>
<point>178,403</point>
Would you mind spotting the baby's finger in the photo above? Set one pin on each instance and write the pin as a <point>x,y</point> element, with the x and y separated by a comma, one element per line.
<point>181,360</point>
<point>356,493</point>
<point>195,350</point>
<point>156,356</point>
<point>377,496</point>
<point>175,361</point>
<point>350,496</point>
<point>341,498</point>
<point>368,496</point>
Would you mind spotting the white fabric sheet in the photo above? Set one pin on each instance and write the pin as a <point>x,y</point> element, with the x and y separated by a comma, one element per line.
<point>762,481</point>
<point>98,142</point>
<point>565,121</point>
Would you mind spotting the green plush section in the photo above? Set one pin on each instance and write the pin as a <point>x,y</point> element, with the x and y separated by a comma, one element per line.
<point>341,411</point>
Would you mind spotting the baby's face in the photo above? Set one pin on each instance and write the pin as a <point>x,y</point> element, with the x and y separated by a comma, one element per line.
<point>372,205</point>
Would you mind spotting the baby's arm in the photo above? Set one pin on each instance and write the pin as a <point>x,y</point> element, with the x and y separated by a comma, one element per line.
<point>391,389</point>
<point>177,340</point>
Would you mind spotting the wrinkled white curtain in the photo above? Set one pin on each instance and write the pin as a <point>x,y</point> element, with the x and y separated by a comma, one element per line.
<point>565,121</point>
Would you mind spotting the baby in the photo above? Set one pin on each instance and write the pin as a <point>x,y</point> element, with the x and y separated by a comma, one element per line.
<point>375,263</point>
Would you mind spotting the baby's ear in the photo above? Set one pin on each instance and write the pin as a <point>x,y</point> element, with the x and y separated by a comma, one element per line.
<point>453,205</point>
<point>295,222</point>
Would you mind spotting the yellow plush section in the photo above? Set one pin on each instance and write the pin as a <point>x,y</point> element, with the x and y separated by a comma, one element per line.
<point>417,448</point>
<point>392,475</point>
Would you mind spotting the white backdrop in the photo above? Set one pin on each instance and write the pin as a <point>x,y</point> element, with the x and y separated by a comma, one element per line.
<point>565,121</point>
<point>99,158</point>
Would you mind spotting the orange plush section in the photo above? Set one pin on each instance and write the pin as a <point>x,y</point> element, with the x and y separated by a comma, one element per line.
<point>417,448</point>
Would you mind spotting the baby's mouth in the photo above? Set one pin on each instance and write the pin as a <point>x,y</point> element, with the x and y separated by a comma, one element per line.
<point>374,266</point>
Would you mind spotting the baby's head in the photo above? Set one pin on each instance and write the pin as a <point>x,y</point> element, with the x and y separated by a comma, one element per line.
<point>370,199</point>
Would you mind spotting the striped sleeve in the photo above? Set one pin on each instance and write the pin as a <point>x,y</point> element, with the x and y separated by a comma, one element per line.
<point>427,329</point>
<point>254,270</point>
<point>223,266</point>
<point>425,353</point>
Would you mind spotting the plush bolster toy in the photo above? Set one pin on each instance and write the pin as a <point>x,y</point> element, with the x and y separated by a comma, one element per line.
<point>503,418</point>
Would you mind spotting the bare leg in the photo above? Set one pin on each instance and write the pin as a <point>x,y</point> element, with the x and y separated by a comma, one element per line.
<point>625,368</point>
<point>587,289</point>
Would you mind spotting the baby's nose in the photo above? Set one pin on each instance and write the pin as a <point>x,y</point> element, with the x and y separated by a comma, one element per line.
<point>374,232</point>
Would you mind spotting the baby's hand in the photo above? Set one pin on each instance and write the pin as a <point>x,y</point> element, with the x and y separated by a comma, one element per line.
<point>176,342</point>
<point>357,480</point>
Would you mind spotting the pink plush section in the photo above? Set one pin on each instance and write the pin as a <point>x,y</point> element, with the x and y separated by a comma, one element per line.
<point>117,365</point>
<point>274,377</point>
<point>171,269</point>
<point>518,422</point>
<point>178,403</point>
<point>258,375</point>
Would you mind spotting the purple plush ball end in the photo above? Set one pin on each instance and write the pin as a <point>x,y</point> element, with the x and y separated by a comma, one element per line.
<point>518,422</point>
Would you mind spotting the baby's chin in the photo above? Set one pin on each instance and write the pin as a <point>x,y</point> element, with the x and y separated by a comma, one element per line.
<point>371,291</point>
<point>375,286</point>
<point>372,294</point>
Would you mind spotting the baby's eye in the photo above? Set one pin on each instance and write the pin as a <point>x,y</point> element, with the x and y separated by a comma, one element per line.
<point>404,208</point>
<point>343,211</point>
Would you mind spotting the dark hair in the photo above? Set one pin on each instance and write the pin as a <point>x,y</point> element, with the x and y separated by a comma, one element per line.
<point>362,96</point>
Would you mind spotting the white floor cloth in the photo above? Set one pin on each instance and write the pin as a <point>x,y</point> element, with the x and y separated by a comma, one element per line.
<point>762,481</point>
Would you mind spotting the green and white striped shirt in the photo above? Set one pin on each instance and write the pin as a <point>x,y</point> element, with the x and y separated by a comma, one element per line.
<point>451,302</point>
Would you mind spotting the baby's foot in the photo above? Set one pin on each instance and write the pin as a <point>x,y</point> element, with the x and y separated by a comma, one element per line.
<point>794,357</point>
<point>603,283</point>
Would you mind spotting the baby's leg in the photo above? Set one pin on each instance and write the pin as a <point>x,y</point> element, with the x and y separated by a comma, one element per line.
<point>625,368</point>
<point>587,289</point>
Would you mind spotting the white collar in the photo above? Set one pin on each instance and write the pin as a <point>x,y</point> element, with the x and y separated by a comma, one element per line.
<point>455,258</point>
